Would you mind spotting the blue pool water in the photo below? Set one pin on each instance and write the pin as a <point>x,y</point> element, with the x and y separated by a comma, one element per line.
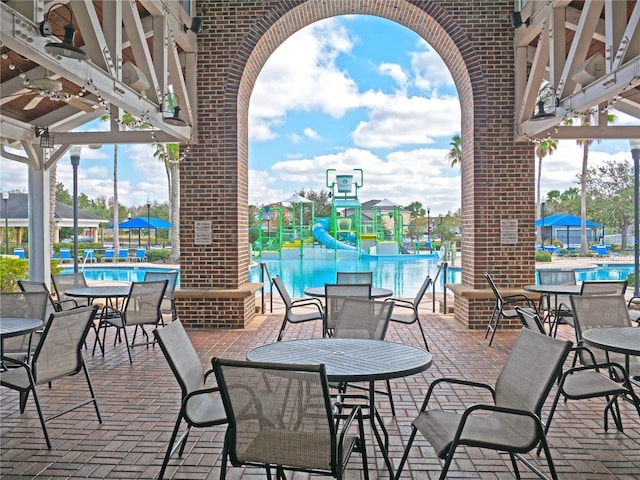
<point>402,274</point>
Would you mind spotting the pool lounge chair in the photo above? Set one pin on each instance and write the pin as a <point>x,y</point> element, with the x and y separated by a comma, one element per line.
<point>123,254</point>
<point>19,252</point>
<point>109,255</point>
<point>89,256</point>
<point>141,254</point>
<point>65,255</point>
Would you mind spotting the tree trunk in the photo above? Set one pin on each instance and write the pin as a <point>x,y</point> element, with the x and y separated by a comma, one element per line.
<point>174,210</point>
<point>583,200</point>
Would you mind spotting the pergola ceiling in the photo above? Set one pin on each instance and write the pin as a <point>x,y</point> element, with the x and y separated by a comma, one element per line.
<point>39,89</point>
<point>555,40</point>
<point>580,57</point>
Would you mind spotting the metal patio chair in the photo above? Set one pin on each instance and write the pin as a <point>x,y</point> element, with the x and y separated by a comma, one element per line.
<point>282,416</point>
<point>512,422</point>
<point>406,312</point>
<point>59,354</point>
<point>22,305</point>
<point>65,281</point>
<point>315,312</point>
<point>354,277</point>
<point>141,307</point>
<point>168,302</point>
<point>560,312</point>
<point>335,296</point>
<point>200,405</point>
<point>503,307</point>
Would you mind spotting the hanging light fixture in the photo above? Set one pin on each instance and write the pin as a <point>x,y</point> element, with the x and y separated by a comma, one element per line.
<point>542,113</point>
<point>66,48</point>
<point>171,111</point>
<point>196,25</point>
<point>46,139</point>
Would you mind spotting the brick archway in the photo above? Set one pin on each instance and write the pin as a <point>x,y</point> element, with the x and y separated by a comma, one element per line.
<point>476,43</point>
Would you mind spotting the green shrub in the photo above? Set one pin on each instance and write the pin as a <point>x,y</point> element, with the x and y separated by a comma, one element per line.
<point>631,279</point>
<point>156,255</point>
<point>12,270</point>
<point>543,257</point>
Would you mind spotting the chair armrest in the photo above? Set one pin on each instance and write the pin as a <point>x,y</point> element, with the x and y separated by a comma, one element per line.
<point>58,305</point>
<point>307,302</point>
<point>207,373</point>
<point>400,302</point>
<point>454,381</point>
<point>519,298</point>
<point>202,391</point>
<point>494,408</point>
<point>356,413</point>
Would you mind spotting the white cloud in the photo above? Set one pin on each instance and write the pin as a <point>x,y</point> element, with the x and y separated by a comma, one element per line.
<point>396,72</point>
<point>429,69</point>
<point>408,121</point>
<point>311,134</point>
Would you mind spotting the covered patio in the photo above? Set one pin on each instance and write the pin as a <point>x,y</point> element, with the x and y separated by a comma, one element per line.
<point>139,404</point>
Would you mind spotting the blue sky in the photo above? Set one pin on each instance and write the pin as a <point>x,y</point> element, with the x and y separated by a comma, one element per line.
<point>344,93</point>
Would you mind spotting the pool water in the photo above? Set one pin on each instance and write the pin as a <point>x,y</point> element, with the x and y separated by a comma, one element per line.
<point>403,274</point>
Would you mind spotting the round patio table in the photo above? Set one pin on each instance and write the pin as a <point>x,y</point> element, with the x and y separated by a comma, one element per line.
<point>351,360</point>
<point>109,293</point>
<point>318,292</point>
<point>625,340</point>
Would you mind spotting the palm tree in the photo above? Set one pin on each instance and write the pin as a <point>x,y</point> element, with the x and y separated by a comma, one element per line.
<point>587,120</point>
<point>544,148</point>
<point>170,155</point>
<point>455,152</point>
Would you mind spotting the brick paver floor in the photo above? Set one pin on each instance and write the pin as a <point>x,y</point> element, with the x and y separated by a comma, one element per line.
<point>139,404</point>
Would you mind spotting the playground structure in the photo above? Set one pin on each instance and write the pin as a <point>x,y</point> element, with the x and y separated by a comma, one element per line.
<point>300,234</point>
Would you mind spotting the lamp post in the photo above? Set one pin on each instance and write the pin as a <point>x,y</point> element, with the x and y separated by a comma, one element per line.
<point>429,227</point>
<point>635,154</point>
<point>148,224</point>
<point>128,220</point>
<point>542,227</point>
<point>5,197</point>
<point>74,154</point>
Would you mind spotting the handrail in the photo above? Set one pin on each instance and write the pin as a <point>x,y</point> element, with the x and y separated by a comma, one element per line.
<point>442,267</point>
<point>264,269</point>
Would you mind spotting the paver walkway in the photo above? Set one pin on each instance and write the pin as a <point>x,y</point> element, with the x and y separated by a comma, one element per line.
<point>139,404</point>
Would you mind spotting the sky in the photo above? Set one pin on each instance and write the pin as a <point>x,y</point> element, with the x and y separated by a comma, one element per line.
<point>345,93</point>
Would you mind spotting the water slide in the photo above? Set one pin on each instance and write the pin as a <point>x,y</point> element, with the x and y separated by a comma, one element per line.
<point>321,233</point>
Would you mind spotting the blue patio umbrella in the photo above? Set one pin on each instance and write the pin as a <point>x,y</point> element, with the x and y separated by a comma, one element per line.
<point>141,222</point>
<point>563,220</point>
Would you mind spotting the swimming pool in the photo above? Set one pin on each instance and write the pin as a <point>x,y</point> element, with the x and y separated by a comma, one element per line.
<point>403,274</point>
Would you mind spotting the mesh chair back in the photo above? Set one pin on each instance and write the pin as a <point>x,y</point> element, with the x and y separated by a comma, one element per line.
<point>21,305</point>
<point>172,279</point>
<point>66,281</point>
<point>278,414</point>
<point>596,311</point>
<point>557,277</point>
<point>142,306</point>
<point>282,290</point>
<point>336,294</point>
<point>354,277</point>
<point>363,318</point>
<point>181,356</point>
<point>39,287</point>
<point>606,287</point>
<point>421,291</point>
<point>530,320</point>
<point>494,288</point>
<point>59,352</point>
<point>528,374</point>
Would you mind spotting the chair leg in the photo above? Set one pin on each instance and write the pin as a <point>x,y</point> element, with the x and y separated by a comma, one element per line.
<point>403,460</point>
<point>284,323</point>
<point>424,337</point>
<point>170,448</point>
<point>93,395</point>
<point>42,420</point>
<point>126,342</point>
<point>448,460</point>
<point>363,448</point>
<point>516,470</point>
<point>495,326</point>
<point>393,407</point>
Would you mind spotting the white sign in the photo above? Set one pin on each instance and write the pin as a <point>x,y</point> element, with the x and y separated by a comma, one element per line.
<point>203,232</point>
<point>508,232</point>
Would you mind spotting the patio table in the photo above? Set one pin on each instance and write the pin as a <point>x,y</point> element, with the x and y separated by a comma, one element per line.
<point>318,292</point>
<point>351,360</point>
<point>109,293</point>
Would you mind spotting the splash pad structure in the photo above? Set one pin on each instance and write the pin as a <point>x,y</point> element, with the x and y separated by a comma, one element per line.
<point>292,230</point>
